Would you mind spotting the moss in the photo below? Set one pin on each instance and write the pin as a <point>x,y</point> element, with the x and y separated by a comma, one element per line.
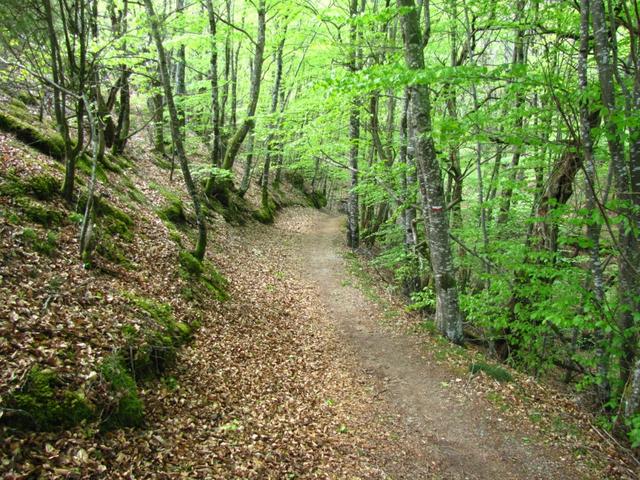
<point>201,274</point>
<point>85,165</point>
<point>151,352</point>
<point>190,264</point>
<point>493,371</point>
<point>136,195</point>
<point>111,251</point>
<point>173,212</point>
<point>113,220</point>
<point>317,199</point>
<point>264,215</point>
<point>127,409</point>
<point>184,330</point>
<point>44,404</point>
<point>42,186</point>
<point>162,313</point>
<point>46,246</point>
<point>38,213</point>
<point>215,283</point>
<point>175,236</point>
<point>52,145</point>
<point>26,98</point>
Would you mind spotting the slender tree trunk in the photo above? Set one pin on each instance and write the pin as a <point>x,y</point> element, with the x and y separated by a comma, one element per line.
<point>216,151</point>
<point>519,59</point>
<point>275,96</point>
<point>181,65</point>
<point>59,101</point>
<point>353,227</point>
<point>176,135</point>
<point>249,122</point>
<point>593,228</point>
<point>246,177</point>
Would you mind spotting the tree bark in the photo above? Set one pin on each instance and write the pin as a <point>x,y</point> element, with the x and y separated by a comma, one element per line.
<point>353,222</point>
<point>176,135</point>
<point>216,150</point>
<point>626,192</point>
<point>448,315</point>
<point>249,122</point>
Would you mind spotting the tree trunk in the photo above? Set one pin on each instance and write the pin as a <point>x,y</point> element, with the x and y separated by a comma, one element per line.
<point>249,122</point>
<point>275,96</point>
<point>353,225</point>
<point>176,135</point>
<point>448,315</point>
<point>628,242</point>
<point>216,152</point>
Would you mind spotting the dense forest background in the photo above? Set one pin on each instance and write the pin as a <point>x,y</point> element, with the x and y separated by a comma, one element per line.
<point>487,154</point>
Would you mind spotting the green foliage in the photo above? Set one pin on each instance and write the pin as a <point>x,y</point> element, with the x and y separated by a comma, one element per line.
<point>494,371</point>
<point>424,300</point>
<point>204,171</point>
<point>634,430</point>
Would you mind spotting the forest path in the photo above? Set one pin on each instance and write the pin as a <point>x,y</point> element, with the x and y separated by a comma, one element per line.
<point>462,435</point>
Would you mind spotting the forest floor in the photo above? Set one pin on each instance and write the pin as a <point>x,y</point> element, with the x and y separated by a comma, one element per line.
<point>314,372</point>
<point>311,368</point>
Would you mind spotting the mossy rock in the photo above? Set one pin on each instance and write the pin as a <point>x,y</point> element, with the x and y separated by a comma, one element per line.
<point>215,282</point>
<point>127,409</point>
<point>190,264</point>
<point>162,313</point>
<point>201,273</point>
<point>52,145</point>
<point>41,186</point>
<point>26,98</point>
<point>173,212</point>
<point>317,199</point>
<point>46,246</point>
<point>85,165</point>
<point>38,213</point>
<point>494,371</point>
<point>264,215</point>
<point>111,251</point>
<point>112,220</point>
<point>44,404</point>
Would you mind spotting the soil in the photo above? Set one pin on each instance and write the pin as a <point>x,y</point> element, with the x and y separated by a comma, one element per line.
<point>459,434</point>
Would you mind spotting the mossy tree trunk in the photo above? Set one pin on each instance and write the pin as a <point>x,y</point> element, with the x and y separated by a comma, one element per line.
<point>275,96</point>
<point>176,134</point>
<point>213,187</point>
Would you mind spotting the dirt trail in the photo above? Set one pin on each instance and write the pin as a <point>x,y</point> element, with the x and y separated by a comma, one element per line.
<point>456,433</point>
